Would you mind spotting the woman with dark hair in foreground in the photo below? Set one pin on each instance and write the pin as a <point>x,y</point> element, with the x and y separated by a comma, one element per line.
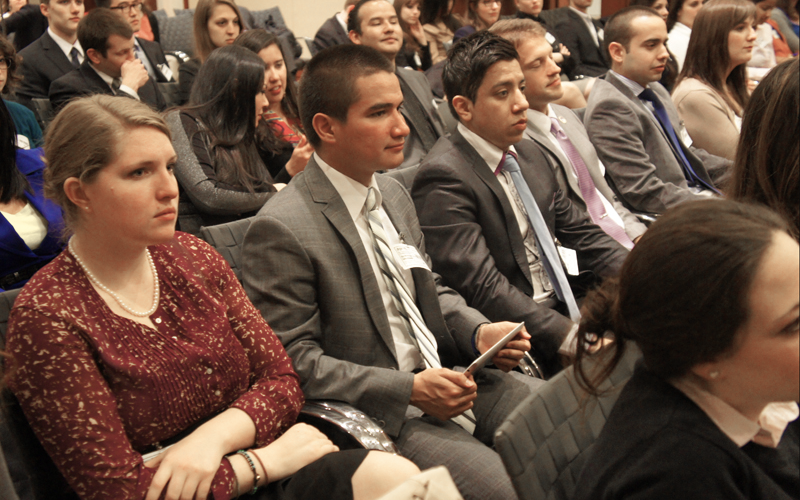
<point>711,296</point>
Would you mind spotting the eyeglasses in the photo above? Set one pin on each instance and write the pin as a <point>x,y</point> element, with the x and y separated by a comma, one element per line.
<point>128,7</point>
<point>5,63</point>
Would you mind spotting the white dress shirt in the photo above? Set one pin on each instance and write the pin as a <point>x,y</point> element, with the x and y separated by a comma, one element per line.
<point>678,42</point>
<point>354,195</point>
<point>66,47</point>
<point>110,81</point>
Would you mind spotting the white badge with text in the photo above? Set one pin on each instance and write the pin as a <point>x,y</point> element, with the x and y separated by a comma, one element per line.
<point>570,258</point>
<point>408,257</point>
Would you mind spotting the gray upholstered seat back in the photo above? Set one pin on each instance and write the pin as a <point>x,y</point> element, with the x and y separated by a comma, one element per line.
<point>544,442</point>
<point>227,240</point>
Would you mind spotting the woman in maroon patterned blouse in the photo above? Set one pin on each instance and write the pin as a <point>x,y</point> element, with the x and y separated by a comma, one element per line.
<point>137,334</point>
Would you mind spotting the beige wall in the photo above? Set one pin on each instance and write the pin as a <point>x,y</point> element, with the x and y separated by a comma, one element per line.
<point>303,17</point>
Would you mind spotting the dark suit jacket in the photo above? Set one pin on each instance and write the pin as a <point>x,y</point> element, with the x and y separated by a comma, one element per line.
<point>414,150</point>
<point>588,57</point>
<point>43,62</point>
<point>156,56</point>
<point>475,243</point>
<point>642,164</point>
<point>306,269</point>
<point>27,25</point>
<point>330,34</point>
<point>659,445</point>
<point>85,81</point>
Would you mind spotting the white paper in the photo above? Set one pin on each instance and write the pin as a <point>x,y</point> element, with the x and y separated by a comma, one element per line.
<point>164,69</point>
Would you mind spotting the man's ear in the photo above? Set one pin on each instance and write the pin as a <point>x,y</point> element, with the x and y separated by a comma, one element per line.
<point>325,127</point>
<point>354,37</point>
<point>93,56</point>
<point>43,8</point>
<point>617,52</point>
<point>463,107</point>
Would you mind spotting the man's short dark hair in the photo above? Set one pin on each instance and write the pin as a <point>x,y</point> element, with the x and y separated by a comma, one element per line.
<point>618,27</point>
<point>354,18</point>
<point>328,83</point>
<point>105,4</point>
<point>469,60</point>
<point>96,28</point>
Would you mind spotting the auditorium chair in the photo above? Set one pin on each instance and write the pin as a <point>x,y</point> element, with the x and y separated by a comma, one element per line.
<point>546,439</point>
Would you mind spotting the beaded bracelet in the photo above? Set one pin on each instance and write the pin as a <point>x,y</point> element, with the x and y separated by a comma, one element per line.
<point>256,477</point>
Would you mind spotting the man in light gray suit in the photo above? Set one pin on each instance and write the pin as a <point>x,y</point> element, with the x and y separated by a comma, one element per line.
<point>336,264</point>
<point>374,23</point>
<point>635,127</point>
<point>546,124</point>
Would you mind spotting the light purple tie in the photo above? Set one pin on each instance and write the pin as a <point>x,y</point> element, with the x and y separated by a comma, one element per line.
<point>594,204</point>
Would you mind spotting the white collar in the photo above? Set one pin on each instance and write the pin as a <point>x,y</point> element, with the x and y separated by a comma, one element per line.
<point>353,193</point>
<point>490,153</point>
<point>541,121</point>
<point>584,15</point>
<point>64,45</point>
<point>681,28</point>
<point>108,79</point>
<point>635,87</point>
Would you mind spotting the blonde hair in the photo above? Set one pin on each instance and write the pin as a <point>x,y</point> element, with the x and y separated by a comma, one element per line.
<point>84,138</point>
<point>203,46</point>
<point>517,31</point>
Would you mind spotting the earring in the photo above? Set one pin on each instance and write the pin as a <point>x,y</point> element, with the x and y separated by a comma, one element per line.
<point>87,208</point>
<point>714,374</point>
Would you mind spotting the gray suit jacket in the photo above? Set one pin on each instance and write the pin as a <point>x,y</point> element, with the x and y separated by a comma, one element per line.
<point>642,165</point>
<point>476,244</point>
<point>576,132</point>
<point>306,270</point>
<point>414,151</point>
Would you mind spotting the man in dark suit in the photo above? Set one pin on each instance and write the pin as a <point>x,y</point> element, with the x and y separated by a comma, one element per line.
<point>27,25</point>
<point>110,66</point>
<point>148,52</point>
<point>374,23</point>
<point>336,264</point>
<point>635,127</point>
<point>561,135</point>
<point>490,207</point>
<point>583,36</point>
<point>334,30</point>
<point>55,53</point>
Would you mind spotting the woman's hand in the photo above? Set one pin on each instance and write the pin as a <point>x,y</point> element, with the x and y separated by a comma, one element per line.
<point>296,448</point>
<point>188,467</point>
<point>418,33</point>
<point>300,156</point>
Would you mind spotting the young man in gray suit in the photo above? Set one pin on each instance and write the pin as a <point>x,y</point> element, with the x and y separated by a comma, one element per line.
<point>374,23</point>
<point>491,209</point>
<point>562,136</point>
<point>635,127</point>
<point>336,264</point>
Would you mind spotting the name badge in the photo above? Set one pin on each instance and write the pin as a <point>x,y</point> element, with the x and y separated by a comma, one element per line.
<point>164,69</point>
<point>550,38</point>
<point>570,258</point>
<point>408,257</point>
<point>687,141</point>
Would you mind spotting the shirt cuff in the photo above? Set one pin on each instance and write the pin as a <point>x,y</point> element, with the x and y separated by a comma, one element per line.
<point>129,91</point>
<point>570,346</point>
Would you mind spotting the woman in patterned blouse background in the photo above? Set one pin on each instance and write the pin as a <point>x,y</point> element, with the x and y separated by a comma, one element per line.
<point>138,336</point>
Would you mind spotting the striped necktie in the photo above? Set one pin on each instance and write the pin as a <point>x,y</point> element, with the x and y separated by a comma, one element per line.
<point>401,296</point>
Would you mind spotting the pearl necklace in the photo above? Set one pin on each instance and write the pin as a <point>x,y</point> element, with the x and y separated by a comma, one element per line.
<point>95,281</point>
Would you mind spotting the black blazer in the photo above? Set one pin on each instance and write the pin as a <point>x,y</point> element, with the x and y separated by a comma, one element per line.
<point>27,25</point>
<point>43,62</point>
<point>156,56</point>
<point>85,81</point>
<point>330,34</point>
<point>474,241</point>
<point>588,57</point>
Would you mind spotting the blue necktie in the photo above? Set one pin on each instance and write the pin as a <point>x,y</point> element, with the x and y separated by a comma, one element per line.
<point>666,124</point>
<point>74,57</point>
<point>544,240</point>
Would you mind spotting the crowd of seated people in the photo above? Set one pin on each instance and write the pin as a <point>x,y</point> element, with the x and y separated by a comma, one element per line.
<point>391,239</point>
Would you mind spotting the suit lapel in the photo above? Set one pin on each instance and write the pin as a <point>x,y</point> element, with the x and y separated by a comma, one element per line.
<point>334,209</point>
<point>539,138</point>
<point>478,164</point>
<point>150,53</point>
<point>421,96</point>
<point>54,53</point>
